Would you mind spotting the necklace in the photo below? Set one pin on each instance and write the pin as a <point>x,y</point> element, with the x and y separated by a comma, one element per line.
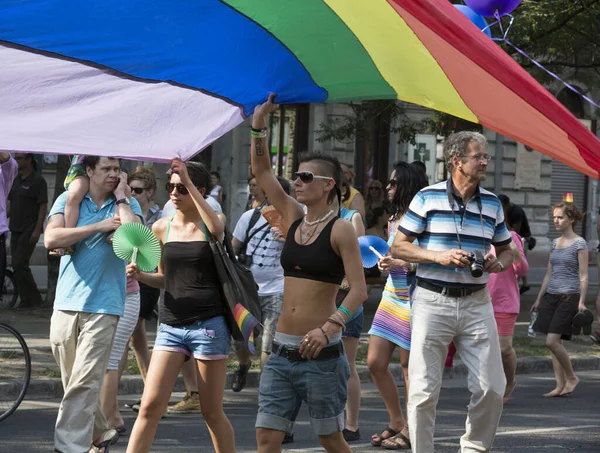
<point>319,220</point>
<point>309,235</point>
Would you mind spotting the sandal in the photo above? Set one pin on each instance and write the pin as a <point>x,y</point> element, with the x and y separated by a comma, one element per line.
<point>108,438</point>
<point>398,442</point>
<point>381,437</point>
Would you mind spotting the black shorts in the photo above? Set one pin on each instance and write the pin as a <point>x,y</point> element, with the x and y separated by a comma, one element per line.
<point>148,300</point>
<point>556,313</point>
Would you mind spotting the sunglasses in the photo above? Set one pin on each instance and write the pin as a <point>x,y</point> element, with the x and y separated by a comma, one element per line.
<point>392,183</point>
<point>375,189</point>
<point>137,190</point>
<point>181,189</point>
<point>307,176</point>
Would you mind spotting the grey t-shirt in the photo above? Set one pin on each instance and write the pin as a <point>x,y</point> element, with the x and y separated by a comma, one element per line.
<point>565,267</point>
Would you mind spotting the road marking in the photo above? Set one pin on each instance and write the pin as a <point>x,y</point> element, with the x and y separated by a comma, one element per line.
<point>502,433</point>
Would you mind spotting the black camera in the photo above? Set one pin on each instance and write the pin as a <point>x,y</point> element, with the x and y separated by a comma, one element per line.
<point>477,264</point>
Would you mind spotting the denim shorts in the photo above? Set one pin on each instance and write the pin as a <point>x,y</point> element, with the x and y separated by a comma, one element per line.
<point>354,327</point>
<point>208,339</point>
<point>321,384</point>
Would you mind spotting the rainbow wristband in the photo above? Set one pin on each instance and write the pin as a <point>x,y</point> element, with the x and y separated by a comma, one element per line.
<point>344,310</point>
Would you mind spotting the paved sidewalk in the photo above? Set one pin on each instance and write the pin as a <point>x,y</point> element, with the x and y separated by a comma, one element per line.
<point>35,325</point>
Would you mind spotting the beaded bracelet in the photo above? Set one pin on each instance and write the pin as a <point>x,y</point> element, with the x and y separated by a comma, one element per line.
<point>326,337</point>
<point>345,311</point>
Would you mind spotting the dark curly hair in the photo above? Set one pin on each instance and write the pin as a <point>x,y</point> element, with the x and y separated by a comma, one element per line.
<point>409,181</point>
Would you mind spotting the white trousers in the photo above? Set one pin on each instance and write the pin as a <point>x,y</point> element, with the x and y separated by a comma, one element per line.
<point>436,321</point>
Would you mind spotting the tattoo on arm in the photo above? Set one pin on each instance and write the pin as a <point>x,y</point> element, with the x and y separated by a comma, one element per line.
<point>259,147</point>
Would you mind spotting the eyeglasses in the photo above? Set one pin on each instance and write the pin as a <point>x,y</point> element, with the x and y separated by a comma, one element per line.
<point>138,190</point>
<point>481,157</point>
<point>307,176</point>
<point>392,183</point>
<point>181,189</point>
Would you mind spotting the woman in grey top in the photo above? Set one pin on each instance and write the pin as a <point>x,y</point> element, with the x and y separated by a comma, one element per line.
<point>562,294</point>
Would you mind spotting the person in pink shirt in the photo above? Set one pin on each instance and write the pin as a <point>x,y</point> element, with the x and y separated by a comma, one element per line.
<point>506,300</point>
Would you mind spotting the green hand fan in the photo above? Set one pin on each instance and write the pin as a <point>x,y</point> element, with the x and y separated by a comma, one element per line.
<point>136,243</point>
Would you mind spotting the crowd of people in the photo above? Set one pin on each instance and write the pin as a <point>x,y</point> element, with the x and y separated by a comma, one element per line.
<point>456,254</point>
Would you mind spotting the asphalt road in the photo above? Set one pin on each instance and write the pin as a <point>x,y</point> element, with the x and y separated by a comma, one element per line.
<point>529,424</point>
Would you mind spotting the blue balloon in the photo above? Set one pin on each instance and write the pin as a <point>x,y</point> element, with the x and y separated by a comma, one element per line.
<point>488,8</point>
<point>367,244</point>
<point>478,20</point>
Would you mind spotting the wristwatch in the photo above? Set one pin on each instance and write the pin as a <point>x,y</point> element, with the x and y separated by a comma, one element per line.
<point>122,200</point>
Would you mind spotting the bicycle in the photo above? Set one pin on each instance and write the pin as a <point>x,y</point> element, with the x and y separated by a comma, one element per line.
<point>15,370</point>
<point>9,296</point>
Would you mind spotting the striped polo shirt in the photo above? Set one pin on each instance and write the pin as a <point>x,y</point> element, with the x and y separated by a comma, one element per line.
<point>437,217</point>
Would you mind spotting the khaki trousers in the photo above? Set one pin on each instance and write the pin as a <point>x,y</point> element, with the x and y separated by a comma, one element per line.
<point>81,344</point>
<point>436,321</point>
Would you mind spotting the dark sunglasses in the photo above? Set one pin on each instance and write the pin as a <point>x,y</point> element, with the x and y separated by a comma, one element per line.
<point>392,183</point>
<point>307,176</point>
<point>137,190</point>
<point>181,189</point>
<point>376,189</point>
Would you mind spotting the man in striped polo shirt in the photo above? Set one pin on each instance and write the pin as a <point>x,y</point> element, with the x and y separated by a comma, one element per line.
<point>452,220</point>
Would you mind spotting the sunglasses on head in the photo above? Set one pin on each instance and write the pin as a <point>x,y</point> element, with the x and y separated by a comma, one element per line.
<point>137,190</point>
<point>181,189</point>
<point>307,176</point>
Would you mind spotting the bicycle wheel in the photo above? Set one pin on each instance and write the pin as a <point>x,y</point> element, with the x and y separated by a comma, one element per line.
<point>15,370</point>
<point>10,295</point>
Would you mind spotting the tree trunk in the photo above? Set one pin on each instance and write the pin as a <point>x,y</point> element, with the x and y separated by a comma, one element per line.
<point>62,167</point>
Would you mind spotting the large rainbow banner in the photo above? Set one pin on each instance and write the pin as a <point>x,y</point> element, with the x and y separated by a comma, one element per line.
<point>154,79</point>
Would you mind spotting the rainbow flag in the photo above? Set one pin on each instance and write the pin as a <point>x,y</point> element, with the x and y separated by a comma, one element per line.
<point>155,79</point>
<point>246,323</point>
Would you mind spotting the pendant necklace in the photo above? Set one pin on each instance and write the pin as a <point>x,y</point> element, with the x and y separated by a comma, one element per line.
<point>314,223</point>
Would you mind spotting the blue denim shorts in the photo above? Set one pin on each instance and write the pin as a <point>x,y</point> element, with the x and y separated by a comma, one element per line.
<point>321,384</point>
<point>208,339</point>
<point>354,326</point>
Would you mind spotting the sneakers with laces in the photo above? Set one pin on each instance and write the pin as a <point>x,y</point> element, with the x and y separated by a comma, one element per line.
<point>239,380</point>
<point>190,404</point>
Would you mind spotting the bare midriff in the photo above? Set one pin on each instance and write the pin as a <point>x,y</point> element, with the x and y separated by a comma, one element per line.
<point>306,305</point>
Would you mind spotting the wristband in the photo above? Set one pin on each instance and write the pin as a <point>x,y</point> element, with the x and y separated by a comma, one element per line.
<point>344,310</point>
<point>326,337</point>
<point>260,134</point>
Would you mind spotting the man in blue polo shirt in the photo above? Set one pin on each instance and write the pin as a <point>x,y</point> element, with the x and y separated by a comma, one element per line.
<point>453,220</point>
<point>90,298</point>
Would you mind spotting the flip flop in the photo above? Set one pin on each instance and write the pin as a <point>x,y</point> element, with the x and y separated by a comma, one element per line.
<point>121,429</point>
<point>396,445</point>
<point>389,430</point>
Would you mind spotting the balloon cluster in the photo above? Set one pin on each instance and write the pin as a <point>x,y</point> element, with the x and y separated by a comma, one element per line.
<point>477,10</point>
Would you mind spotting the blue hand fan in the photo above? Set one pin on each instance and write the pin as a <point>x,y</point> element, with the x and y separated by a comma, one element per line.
<point>371,249</point>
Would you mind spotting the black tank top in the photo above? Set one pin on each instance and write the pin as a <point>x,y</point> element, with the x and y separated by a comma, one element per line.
<point>317,261</point>
<point>192,288</point>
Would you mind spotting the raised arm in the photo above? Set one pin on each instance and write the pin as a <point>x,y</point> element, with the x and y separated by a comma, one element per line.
<point>289,208</point>
<point>210,218</point>
<point>124,210</point>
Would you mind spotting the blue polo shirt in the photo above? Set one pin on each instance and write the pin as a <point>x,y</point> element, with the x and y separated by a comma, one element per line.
<point>438,218</point>
<point>92,280</point>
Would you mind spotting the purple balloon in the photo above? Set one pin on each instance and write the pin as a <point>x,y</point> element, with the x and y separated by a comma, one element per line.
<point>487,8</point>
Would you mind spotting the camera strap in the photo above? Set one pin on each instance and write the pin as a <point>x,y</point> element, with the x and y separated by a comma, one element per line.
<point>451,202</point>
